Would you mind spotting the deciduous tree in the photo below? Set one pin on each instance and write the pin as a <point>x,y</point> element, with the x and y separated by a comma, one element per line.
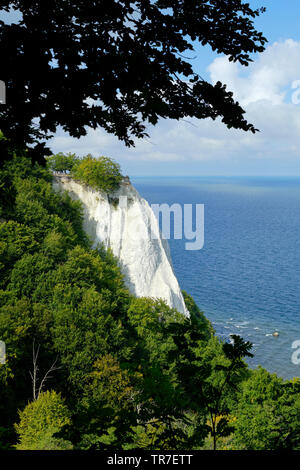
<point>116,64</point>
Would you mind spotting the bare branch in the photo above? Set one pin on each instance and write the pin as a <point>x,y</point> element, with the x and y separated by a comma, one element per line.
<point>36,390</point>
<point>48,376</point>
<point>34,374</point>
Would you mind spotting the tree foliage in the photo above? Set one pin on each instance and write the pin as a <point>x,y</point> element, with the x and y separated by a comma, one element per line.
<point>129,372</point>
<point>220,389</point>
<point>40,421</point>
<point>118,65</point>
<point>99,173</point>
<point>268,413</point>
<point>62,162</point>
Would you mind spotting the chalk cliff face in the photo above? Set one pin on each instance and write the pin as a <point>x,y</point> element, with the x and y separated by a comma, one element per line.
<point>125,222</point>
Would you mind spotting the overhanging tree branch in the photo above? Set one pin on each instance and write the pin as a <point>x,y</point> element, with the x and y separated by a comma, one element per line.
<point>124,55</point>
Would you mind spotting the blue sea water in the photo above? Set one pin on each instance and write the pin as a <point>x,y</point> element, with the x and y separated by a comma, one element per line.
<point>246,278</point>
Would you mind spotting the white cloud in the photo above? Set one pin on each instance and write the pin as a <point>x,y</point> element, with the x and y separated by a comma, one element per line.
<point>265,91</point>
<point>267,78</point>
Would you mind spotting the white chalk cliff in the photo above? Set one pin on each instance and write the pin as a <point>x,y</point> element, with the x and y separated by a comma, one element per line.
<point>125,222</point>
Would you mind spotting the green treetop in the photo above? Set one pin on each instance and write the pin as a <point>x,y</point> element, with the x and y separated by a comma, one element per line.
<point>62,162</point>
<point>98,173</point>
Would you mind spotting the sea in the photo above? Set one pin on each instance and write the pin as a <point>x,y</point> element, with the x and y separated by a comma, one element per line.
<point>246,277</point>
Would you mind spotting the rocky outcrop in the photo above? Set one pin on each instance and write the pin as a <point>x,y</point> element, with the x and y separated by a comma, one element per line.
<point>125,222</point>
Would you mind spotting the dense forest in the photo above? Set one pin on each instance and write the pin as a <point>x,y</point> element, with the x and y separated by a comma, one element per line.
<point>90,366</point>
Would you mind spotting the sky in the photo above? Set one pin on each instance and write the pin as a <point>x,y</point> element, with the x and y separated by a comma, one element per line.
<point>269,91</point>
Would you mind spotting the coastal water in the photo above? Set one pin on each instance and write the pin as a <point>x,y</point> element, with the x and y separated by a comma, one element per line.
<point>246,278</point>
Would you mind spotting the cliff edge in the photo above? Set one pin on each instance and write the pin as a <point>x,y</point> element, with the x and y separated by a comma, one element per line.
<point>123,221</point>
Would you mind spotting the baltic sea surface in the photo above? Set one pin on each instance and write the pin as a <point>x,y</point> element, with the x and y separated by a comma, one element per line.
<point>246,278</point>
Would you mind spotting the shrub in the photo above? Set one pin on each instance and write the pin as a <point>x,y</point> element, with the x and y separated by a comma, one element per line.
<point>102,173</point>
<point>39,422</point>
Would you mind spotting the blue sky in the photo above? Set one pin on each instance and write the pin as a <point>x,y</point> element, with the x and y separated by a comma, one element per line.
<point>265,89</point>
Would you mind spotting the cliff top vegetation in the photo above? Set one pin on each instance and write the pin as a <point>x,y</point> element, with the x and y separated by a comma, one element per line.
<point>100,173</point>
